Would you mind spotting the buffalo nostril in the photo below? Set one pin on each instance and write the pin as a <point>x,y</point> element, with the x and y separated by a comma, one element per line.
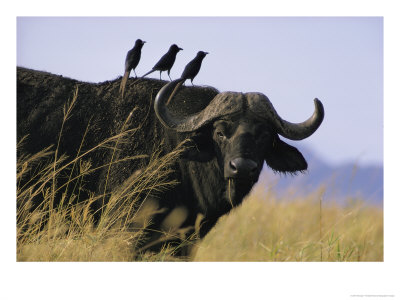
<point>242,167</point>
<point>233,167</point>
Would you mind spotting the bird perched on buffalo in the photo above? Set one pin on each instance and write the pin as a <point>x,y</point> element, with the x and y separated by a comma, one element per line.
<point>193,67</point>
<point>131,61</point>
<point>166,61</point>
<point>190,71</point>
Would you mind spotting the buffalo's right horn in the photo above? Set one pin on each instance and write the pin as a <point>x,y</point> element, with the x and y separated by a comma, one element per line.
<point>223,104</point>
<point>160,108</point>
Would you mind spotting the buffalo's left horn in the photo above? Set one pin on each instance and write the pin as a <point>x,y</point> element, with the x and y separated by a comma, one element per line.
<point>261,106</point>
<point>299,131</point>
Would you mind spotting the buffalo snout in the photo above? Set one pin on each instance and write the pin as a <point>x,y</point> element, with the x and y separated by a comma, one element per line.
<point>241,168</point>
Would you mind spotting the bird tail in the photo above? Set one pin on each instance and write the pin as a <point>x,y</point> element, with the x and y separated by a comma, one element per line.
<point>148,73</point>
<point>123,83</point>
<point>175,90</point>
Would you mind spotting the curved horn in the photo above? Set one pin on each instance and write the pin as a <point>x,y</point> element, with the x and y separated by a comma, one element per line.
<point>228,103</point>
<point>292,131</point>
<point>223,104</point>
<point>161,110</point>
<point>299,131</point>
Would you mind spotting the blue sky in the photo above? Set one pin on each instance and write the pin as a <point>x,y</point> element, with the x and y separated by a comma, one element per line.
<point>290,59</point>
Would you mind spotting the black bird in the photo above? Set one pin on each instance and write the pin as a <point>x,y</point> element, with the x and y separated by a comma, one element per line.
<point>166,61</point>
<point>193,67</point>
<point>190,72</point>
<point>131,61</point>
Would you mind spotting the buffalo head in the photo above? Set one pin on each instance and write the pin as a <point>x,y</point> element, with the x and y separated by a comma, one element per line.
<point>238,132</point>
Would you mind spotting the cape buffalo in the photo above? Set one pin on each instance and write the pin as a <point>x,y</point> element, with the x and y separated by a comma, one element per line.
<point>228,136</point>
<point>231,138</point>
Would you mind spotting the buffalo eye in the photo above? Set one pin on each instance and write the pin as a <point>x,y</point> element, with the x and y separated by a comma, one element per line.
<point>220,134</point>
<point>221,129</point>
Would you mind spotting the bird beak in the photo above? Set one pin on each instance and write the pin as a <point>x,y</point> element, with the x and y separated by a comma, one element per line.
<point>180,48</point>
<point>206,53</point>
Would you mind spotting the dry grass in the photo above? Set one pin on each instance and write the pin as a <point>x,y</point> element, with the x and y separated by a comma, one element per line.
<point>266,228</point>
<point>65,231</point>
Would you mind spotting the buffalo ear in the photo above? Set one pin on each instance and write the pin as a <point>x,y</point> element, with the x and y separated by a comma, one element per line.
<point>285,158</point>
<point>198,148</point>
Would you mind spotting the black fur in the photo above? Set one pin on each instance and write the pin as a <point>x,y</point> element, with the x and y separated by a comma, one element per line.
<point>203,188</point>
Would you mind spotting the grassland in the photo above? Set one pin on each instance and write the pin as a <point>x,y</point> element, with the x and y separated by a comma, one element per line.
<point>264,228</point>
<point>61,227</point>
<point>268,228</point>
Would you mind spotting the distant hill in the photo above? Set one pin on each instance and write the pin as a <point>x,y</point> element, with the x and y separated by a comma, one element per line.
<point>342,182</point>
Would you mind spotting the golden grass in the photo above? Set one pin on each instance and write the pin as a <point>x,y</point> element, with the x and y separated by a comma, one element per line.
<point>266,228</point>
<point>263,228</point>
<point>66,231</point>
